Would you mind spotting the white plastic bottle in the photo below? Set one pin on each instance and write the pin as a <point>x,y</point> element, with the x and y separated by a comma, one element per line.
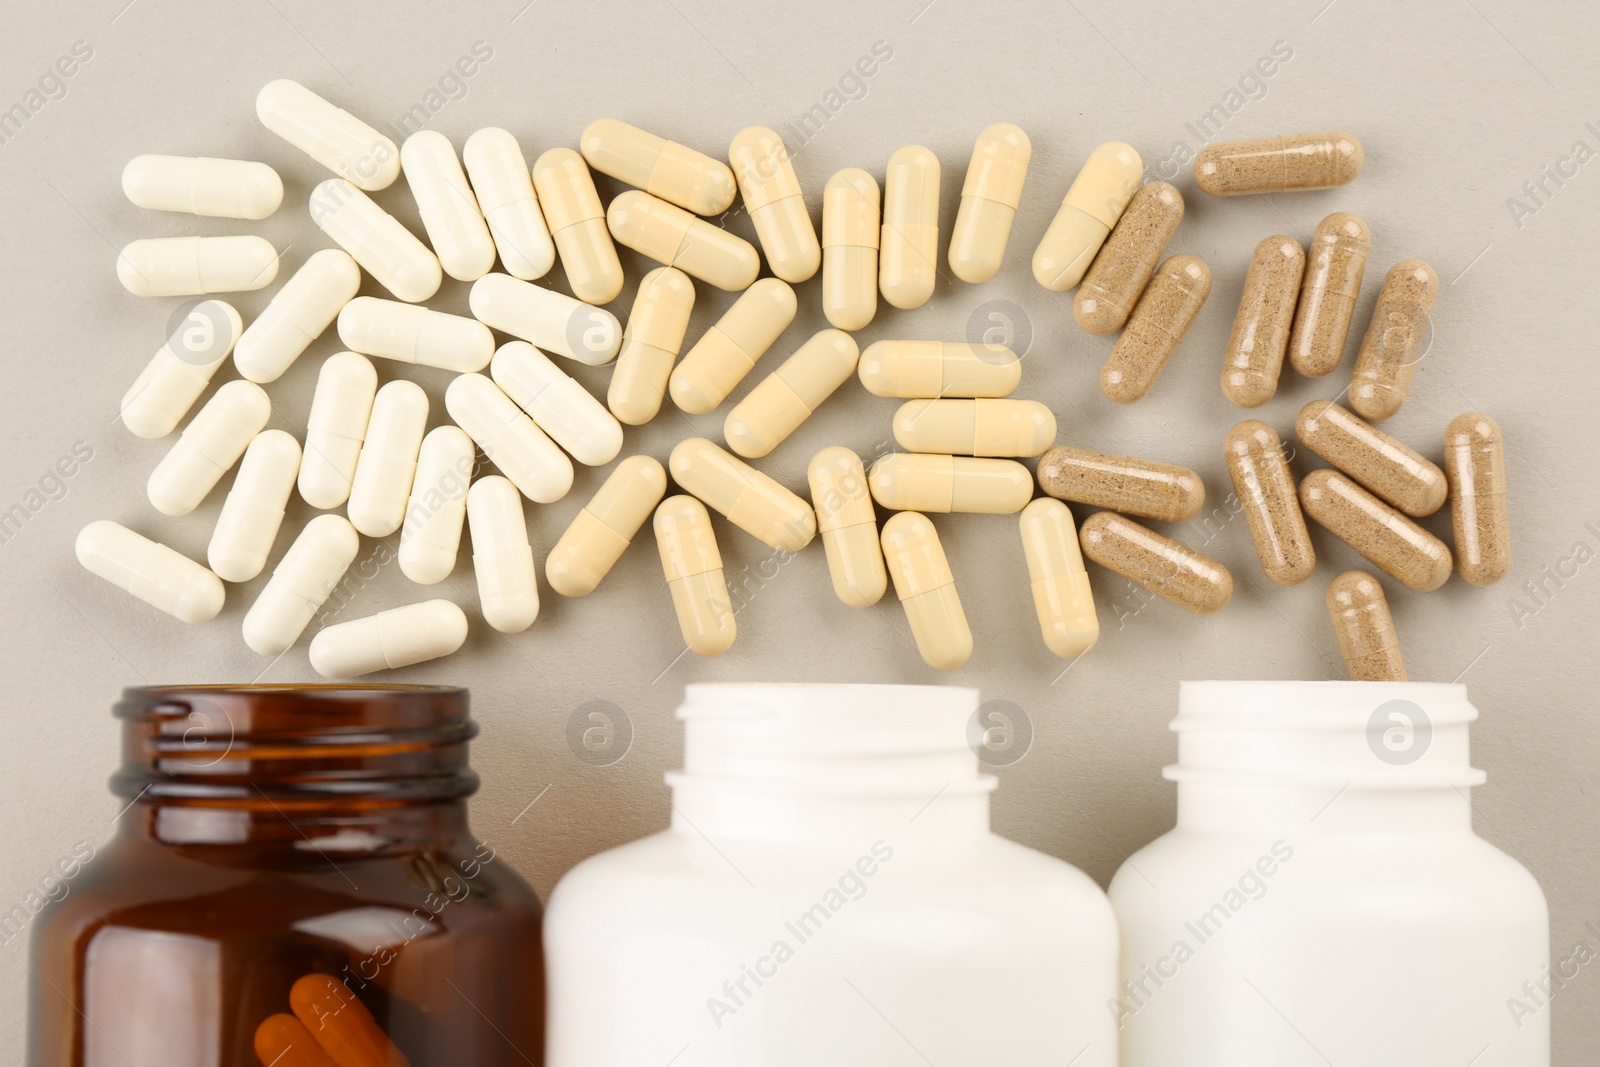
<point>1323,898</point>
<point>829,892</point>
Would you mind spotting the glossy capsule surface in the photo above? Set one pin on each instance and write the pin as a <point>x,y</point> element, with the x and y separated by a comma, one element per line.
<point>546,319</point>
<point>927,590</point>
<point>181,369</point>
<point>771,193</point>
<point>722,357</point>
<point>744,496</point>
<point>208,447</point>
<point>990,194</point>
<point>202,185</point>
<point>297,315</point>
<point>848,526</point>
<point>509,438</point>
<point>787,397</point>
<point>376,240</point>
<point>449,209</point>
<point>650,345</point>
<point>1260,338</point>
<point>604,527</point>
<point>1007,428</point>
<point>408,333</point>
<point>1150,490</point>
<point>387,460</point>
<point>909,481</point>
<point>504,188</point>
<point>557,404</point>
<point>194,266</point>
<point>674,172</point>
<point>1364,628</point>
<point>1122,268</point>
<point>253,511</point>
<point>850,233</point>
<point>1062,598</point>
<point>693,568</point>
<point>908,249</point>
<point>1387,539</point>
<point>1157,326</point>
<point>1266,493</point>
<point>430,537</point>
<point>342,1024</point>
<point>932,369</point>
<point>1475,462</point>
<point>1173,571</point>
<point>328,134</point>
<point>577,224</point>
<point>670,235</point>
<point>1334,266</point>
<point>502,559</point>
<point>1395,341</point>
<point>1092,206</point>
<point>160,576</point>
<point>341,407</point>
<point>301,583</point>
<point>398,637</point>
<point>1285,163</point>
<point>1380,463</point>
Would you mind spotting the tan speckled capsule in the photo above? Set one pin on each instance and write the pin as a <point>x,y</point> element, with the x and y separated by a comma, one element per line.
<point>1135,486</point>
<point>1290,162</point>
<point>1365,629</point>
<point>1328,294</point>
<point>1392,347</point>
<point>1271,507</point>
<point>1382,465</point>
<point>1159,321</point>
<point>1387,539</point>
<point>1260,335</point>
<point>1475,459</point>
<point>1126,261</point>
<point>1166,568</point>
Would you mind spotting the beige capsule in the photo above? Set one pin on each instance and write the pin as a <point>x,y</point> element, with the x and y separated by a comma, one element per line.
<point>850,231</point>
<point>1139,487</point>
<point>1378,462</point>
<point>908,253</point>
<point>848,526</point>
<point>1328,293</point>
<point>1260,336</point>
<point>1393,344</point>
<point>772,195</point>
<point>1475,461</point>
<point>1368,642</point>
<point>1093,204</point>
<point>927,590</point>
<point>930,369</point>
<point>1006,428</point>
<point>1387,539</point>
<point>650,345</point>
<point>1160,319</point>
<point>605,526</point>
<point>728,351</point>
<point>789,396</point>
<point>1286,163</point>
<point>913,481</point>
<point>1126,261</point>
<point>666,169</point>
<point>1061,595</point>
<point>693,567</point>
<point>577,221</point>
<point>989,198</point>
<point>1170,570</point>
<point>1266,492</point>
<point>668,234</point>
<point>744,496</point>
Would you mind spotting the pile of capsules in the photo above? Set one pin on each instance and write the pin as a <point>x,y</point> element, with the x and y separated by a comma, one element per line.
<point>366,448</point>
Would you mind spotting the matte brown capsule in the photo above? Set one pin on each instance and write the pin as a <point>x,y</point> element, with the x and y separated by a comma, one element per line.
<point>1166,568</point>
<point>1395,473</point>
<point>1365,629</point>
<point>1290,162</point>
<point>1475,460</point>
<point>1393,345</point>
<point>1271,507</point>
<point>1260,335</point>
<point>1390,541</point>
<point>1158,491</point>
<point>1122,269</point>
<point>1159,321</point>
<point>1334,266</point>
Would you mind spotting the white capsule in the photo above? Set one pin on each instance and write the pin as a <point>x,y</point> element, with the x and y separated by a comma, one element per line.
<point>192,266</point>
<point>388,460</point>
<point>376,239</point>
<point>500,178</point>
<point>546,319</point>
<point>398,637</point>
<point>557,403</point>
<point>509,438</point>
<point>502,559</point>
<point>301,583</point>
<point>297,315</point>
<point>449,211</point>
<point>251,515</point>
<point>211,444</point>
<point>181,369</point>
<point>328,134</point>
<point>412,334</point>
<point>152,572</point>
<point>431,535</point>
<point>201,185</point>
<point>340,408</point>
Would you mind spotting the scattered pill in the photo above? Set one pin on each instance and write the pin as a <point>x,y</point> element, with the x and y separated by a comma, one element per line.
<point>1475,460</point>
<point>912,481</point>
<point>376,240</point>
<point>1149,490</point>
<point>208,447</point>
<point>156,574</point>
<point>408,333</point>
<point>744,496</point>
<point>1125,263</point>
<point>449,210</point>
<point>398,637</point>
<point>1170,570</point>
<point>1286,163</point>
<point>504,188</point>
<point>719,361</point>
<point>430,537</point>
<point>557,404</point>
<point>932,369</point>
<point>1387,539</point>
<point>1160,319</point>
<point>602,530</point>
<point>789,396</point>
<point>502,559</point>
<point>1260,336</point>
<point>848,526</point>
<point>1061,595</point>
<point>650,345</point>
<point>670,235</point>
<point>908,251</point>
<point>509,438</point>
<point>577,224</point>
<point>201,185</point>
<point>1378,462</point>
<point>1266,493</point>
<point>850,234</point>
<point>387,459</point>
<point>1007,428</point>
<point>181,369</point>
<point>300,584</point>
<point>693,567</point>
<point>297,315</point>
<point>1393,344</point>
<point>990,194</point>
<point>283,1041</point>
<point>328,134</point>
<point>253,511</point>
<point>341,1023</point>
<point>927,591</point>
<point>1334,265</point>
<point>772,195</point>
<point>546,319</point>
<point>335,428</point>
<point>675,173</point>
<point>1092,206</point>
<point>193,266</point>
<point>1367,638</point>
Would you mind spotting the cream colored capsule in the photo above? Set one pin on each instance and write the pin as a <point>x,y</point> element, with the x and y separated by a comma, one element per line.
<point>1286,163</point>
<point>192,266</point>
<point>407,333</point>
<point>509,438</point>
<point>208,447</point>
<point>328,134</point>
<point>850,230</point>
<point>1166,568</point>
<point>1061,595</point>
<point>719,361</point>
<point>1118,276</point>
<point>1368,642</point>
<point>181,369</point>
<point>248,524</point>
<point>1160,319</point>
<point>602,530</point>
<point>388,460</point>
<point>1260,337</point>
<point>449,210</point>
<point>557,404</point>
<point>297,315</point>
<point>693,567</point>
<point>927,591</point>
<point>502,559</point>
<point>668,234</point>
<point>908,252</point>
<point>1475,460</point>
<point>663,168</point>
<point>395,638</point>
<point>1393,344</point>
<point>1334,266</point>
<point>989,198</point>
<point>1390,541</point>
<point>744,496</point>
<point>1141,487</point>
<point>158,575</point>
<point>376,240</point>
<point>301,583</point>
<point>201,185</point>
<point>650,345</point>
<point>789,396</point>
<point>504,188</point>
<point>771,193</point>
<point>909,481</point>
<point>1266,493</point>
<point>578,226</point>
<point>1381,464</point>
<point>1007,428</point>
<point>932,369</point>
<point>1093,204</point>
<point>335,428</point>
<point>848,526</point>
<point>430,538</point>
<point>546,319</point>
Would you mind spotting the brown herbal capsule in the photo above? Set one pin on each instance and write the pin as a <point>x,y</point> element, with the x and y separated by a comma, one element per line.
<point>1390,541</point>
<point>1393,472</point>
<point>1166,568</point>
<point>1260,335</point>
<point>1159,321</point>
<point>1475,460</point>
<point>1158,491</point>
<point>1365,629</point>
<point>1334,266</point>
<point>1271,507</point>
<point>1287,163</point>
<point>1121,271</point>
<point>1392,347</point>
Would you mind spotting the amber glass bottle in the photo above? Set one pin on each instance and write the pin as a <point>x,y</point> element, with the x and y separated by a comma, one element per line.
<point>292,884</point>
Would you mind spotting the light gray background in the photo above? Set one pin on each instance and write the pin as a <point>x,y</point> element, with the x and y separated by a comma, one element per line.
<point>1458,102</point>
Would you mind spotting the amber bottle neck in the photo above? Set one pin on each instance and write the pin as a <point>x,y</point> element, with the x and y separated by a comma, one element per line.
<point>309,829</point>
